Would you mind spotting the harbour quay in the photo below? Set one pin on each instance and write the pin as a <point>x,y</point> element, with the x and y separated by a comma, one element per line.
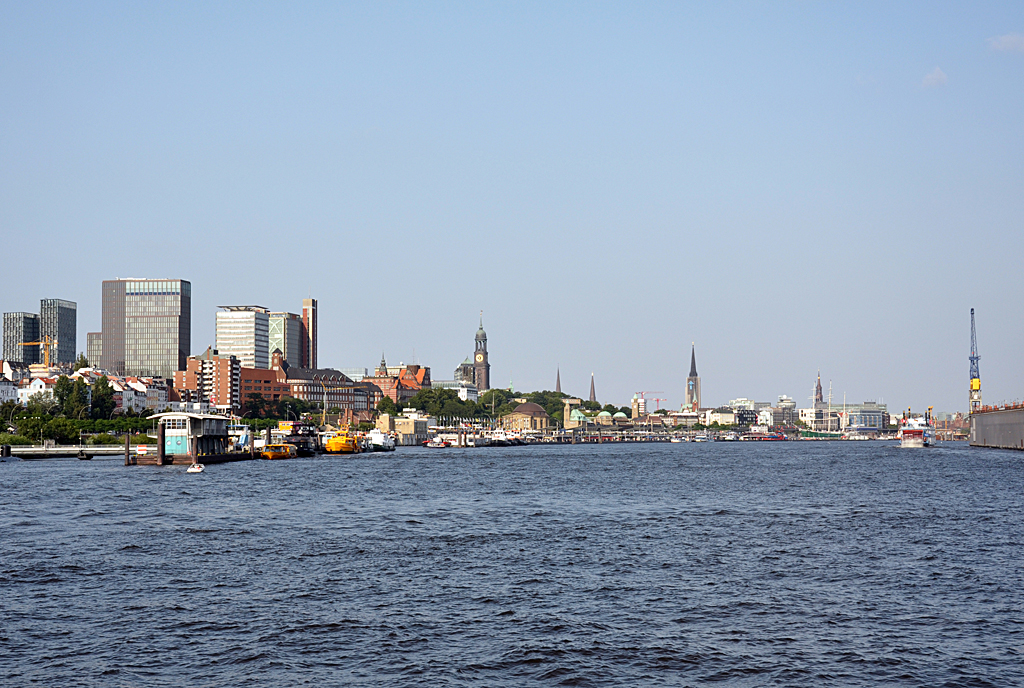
<point>998,427</point>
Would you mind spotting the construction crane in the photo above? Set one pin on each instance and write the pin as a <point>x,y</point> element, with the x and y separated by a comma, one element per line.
<point>657,403</point>
<point>47,343</point>
<point>642,405</point>
<point>975,390</point>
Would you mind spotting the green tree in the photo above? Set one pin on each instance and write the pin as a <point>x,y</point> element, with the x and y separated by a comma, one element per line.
<point>82,362</point>
<point>62,430</point>
<point>385,405</point>
<point>255,405</point>
<point>78,400</point>
<point>41,404</point>
<point>103,403</point>
<point>591,406</point>
<point>610,409</point>
<point>62,390</point>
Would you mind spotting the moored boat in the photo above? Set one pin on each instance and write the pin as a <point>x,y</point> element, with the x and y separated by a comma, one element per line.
<point>342,443</point>
<point>379,441</point>
<point>279,451</point>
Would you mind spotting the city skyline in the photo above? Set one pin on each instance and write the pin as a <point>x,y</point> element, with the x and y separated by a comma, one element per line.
<point>791,187</point>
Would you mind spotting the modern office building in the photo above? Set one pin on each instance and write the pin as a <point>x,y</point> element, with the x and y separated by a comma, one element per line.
<point>285,335</point>
<point>147,326</point>
<point>94,347</point>
<point>309,332</point>
<point>18,329</point>
<point>58,320</point>
<point>244,332</point>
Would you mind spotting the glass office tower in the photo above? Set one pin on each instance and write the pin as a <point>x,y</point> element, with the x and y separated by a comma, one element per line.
<point>58,320</point>
<point>20,328</point>
<point>243,332</point>
<point>147,326</point>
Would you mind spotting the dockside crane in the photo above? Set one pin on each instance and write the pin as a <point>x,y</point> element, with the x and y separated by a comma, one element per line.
<point>975,390</point>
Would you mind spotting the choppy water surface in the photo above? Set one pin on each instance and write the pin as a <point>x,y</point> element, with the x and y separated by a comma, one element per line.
<point>750,564</point>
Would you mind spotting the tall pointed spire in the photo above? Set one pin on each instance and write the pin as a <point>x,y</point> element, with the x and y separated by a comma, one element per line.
<point>818,397</point>
<point>693,361</point>
<point>593,396</point>
<point>558,381</point>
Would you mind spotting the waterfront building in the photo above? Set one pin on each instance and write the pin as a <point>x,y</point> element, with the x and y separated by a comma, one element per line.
<point>8,392</point>
<point>264,383</point>
<point>244,332</point>
<point>93,347</point>
<point>692,400</point>
<point>638,407</point>
<point>777,417</point>
<point>213,378</point>
<point>147,326</point>
<point>286,333</point>
<point>465,372</point>
<point>309,333</point>
<point>18,329</point>
<point>786,403</point>
<point>869,414</point>
<point>355,374</point>
<point>466,390</point>
<point>748,404</point>
<point>15,370</point>
<point>37,385</point>
<point>572,416</point>
<point>325,387</point>
<point>528,417</point>
<point>409,431</point>
<point>58,320</point>
<point>399,383</point>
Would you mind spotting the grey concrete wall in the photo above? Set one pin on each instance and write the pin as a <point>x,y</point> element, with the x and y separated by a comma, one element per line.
<point>1002,429</point>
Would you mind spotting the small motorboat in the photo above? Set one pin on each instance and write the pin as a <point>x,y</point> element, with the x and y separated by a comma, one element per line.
<point>195,468</point>
<point>437,443</point>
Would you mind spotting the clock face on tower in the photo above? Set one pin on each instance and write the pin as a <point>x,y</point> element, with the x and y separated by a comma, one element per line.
<point>479,358</point>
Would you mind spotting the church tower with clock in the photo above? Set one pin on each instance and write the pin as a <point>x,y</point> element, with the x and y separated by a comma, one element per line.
<point>481,368</point>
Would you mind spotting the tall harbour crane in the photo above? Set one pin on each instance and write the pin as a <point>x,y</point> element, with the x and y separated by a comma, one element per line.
<point>975,390</point>
<point>47,343</point>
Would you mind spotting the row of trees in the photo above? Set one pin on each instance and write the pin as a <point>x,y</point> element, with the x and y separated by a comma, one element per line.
<point>493,403</point>
<point>29,425</point>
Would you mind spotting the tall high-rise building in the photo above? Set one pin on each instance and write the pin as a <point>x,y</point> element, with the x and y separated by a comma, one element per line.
<point>94,347</point>
<point>244,332</point>
<point>481,366</point>
<point>286,335</point>
<point>692,402</point>
<point>147,326</point>
<point>58,320</point>
<point>18,329</point>
<point>309,333</point>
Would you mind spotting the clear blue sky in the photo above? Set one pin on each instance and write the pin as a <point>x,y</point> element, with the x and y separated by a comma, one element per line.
<point>790,186</point>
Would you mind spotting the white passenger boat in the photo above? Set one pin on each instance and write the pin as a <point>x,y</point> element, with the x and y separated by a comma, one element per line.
<point>379,441</point>
<point>700,438</point>
<point>917,432</point>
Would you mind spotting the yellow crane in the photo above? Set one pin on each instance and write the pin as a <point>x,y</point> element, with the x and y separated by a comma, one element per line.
<point>47,343</point>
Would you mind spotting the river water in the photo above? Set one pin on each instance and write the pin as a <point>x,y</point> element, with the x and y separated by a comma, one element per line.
<point>749,564</point>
